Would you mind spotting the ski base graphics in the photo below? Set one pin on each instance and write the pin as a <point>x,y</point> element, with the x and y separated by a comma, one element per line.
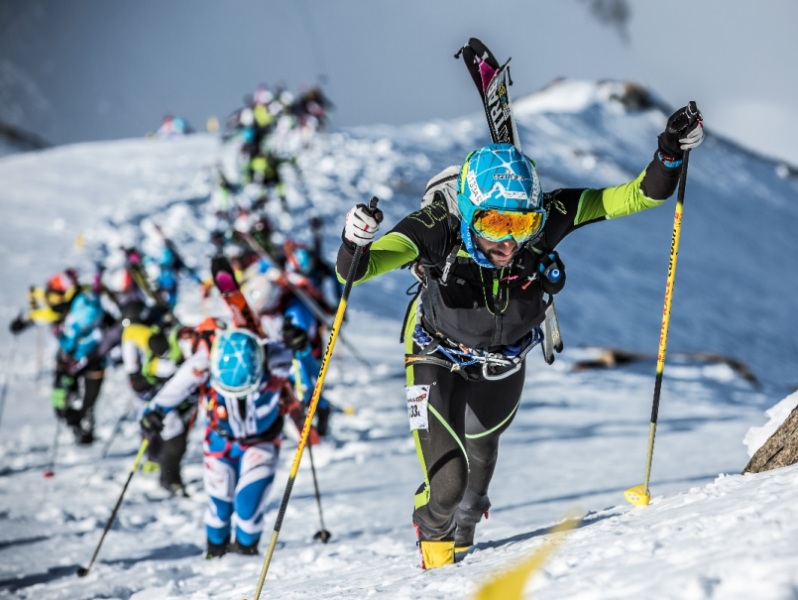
<point>493,82</point>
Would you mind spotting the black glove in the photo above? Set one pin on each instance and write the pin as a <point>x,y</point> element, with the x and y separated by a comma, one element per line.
<point>19,325</point>
<point>295,338</point>
<point>139,383</point>
<point>158,344</point>
<point>76,366</point>
<point>684,131</point>
<point>552,273</point>
<point>152,423</point>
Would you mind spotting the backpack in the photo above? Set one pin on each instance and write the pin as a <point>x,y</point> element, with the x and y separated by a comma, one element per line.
<point>443,188</point>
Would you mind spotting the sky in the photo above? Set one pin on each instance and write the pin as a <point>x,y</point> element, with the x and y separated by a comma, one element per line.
<point>94,70</point>
<point>579,439</point>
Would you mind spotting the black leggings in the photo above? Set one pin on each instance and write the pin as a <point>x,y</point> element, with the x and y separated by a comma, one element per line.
<point>460,447</point>
<point>92,376</point>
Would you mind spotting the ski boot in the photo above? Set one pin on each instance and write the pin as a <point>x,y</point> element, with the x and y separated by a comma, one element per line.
<point>436,544</point>
<point>243,549</point>
<point>217,550</point>
<point>470,511</point>
<point>434,553</point>
<point>82,426</point>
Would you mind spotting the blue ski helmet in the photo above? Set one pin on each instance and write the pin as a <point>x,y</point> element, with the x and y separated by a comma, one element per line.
<point>302,261</point>
<point>236,362</point>
<point>499,195</point>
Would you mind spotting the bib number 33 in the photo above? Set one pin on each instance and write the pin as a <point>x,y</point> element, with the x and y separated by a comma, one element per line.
<point>417,400</point>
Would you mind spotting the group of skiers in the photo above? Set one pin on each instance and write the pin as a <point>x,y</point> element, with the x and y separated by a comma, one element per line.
<point>275,111</point>
<point>483,246</point>
<point>240,383</point>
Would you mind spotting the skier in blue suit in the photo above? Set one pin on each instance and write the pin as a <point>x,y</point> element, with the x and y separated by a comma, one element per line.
<point>242,443</point>
<point>244,381</point>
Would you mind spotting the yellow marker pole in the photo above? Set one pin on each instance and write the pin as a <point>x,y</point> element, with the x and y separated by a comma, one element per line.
<point>639,495</point>
<point>314,401</point>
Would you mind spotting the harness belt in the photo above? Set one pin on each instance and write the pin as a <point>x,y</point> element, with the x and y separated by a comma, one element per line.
<point>457,357</point>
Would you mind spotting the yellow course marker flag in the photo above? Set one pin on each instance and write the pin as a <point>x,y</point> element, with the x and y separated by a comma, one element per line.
<point>510,584</point>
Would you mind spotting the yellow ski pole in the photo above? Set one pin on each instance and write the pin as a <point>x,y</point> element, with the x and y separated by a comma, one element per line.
<point>314,401</point>
<point>639,495</point>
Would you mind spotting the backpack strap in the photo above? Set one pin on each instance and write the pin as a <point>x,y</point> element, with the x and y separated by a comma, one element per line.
<point>450,260</point>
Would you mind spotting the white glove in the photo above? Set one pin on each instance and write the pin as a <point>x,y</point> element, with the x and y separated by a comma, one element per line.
<point>361,226</point>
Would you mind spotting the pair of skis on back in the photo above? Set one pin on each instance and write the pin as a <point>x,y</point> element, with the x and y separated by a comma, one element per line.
<point>243,316</point>
<point>493,82</point>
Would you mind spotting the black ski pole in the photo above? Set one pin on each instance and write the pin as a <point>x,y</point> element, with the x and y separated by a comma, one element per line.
<point>116,430</point>
<point>322,534</point>
<point>83,571</point>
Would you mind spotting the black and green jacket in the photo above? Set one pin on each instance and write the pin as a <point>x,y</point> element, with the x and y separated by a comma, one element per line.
<point>487,308</point>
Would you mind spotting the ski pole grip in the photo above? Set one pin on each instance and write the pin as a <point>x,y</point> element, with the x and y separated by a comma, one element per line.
<point>373,210</point>
<point>692,113</point>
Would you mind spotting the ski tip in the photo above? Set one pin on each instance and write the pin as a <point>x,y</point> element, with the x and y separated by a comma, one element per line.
<point>225,281</point>
<point>48,474</point>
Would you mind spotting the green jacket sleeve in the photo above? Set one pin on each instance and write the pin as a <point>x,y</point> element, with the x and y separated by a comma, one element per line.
<point>614,202</point>
<point>391,251</point>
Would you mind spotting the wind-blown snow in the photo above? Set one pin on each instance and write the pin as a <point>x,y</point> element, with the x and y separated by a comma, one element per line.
<point>578,442</point>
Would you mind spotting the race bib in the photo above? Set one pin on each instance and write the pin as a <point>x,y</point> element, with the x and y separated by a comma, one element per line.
<point>417,399</point>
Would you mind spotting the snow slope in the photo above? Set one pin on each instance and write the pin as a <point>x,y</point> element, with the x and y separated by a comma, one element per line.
<point>578,442</point>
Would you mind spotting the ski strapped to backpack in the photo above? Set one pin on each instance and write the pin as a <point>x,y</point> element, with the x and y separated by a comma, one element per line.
<point>243,316</point>
<point>493,83</point>
<point>138,274</point>
<point>224,279</point>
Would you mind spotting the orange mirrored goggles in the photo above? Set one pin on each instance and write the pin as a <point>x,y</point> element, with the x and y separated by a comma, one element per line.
<point>497,226</point>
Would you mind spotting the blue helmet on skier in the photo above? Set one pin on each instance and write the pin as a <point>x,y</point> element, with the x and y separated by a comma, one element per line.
<point>236,362</point>
<point>499,195</point>
<point>301,261</point>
